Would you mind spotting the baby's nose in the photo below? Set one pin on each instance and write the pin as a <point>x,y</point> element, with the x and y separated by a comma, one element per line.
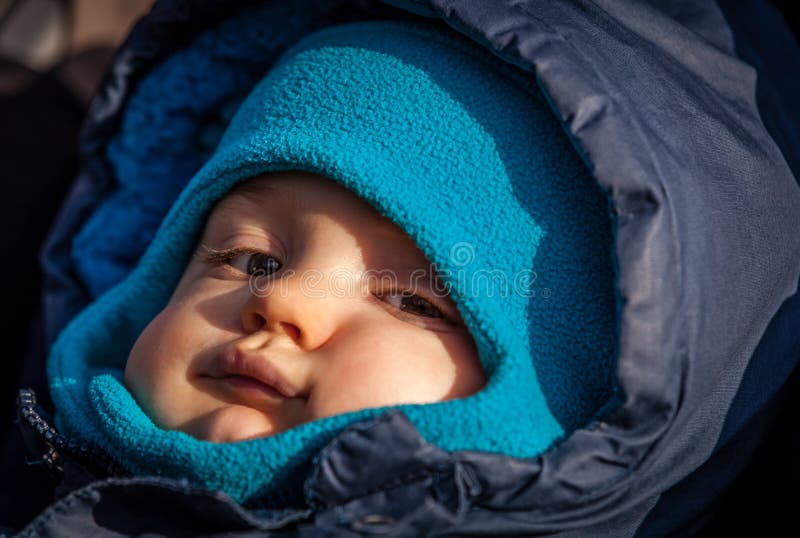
<point>289,308</point>
<point>255,321</point>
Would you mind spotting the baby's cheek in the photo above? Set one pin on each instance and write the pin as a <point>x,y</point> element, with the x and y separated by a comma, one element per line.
<point>151,373</point>
<point>143,360</point>
<point>470,375</point>
<point>407,371</point>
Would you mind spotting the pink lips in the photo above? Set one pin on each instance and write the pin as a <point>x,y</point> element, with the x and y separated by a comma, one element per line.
<point>251,371</point>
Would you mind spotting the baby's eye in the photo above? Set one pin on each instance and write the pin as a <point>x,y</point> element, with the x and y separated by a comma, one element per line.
<point>411,303</point>
<point>247,260</point>
<point>257,264</point>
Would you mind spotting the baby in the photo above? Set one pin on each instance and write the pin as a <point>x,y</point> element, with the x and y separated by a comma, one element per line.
<point>301,302</point>
<point>392,219</point>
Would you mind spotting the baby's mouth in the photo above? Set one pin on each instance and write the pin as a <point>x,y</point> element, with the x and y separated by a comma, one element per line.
<point>251,386</point>
<point>250,376</point>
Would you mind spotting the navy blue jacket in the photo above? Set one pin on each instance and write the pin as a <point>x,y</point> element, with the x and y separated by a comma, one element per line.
<point>691,123</point>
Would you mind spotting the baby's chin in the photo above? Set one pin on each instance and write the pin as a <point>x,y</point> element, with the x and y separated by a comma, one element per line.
<point>229,424</point>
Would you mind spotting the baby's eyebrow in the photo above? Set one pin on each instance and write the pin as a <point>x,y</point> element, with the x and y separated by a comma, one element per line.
<point>259,194</point>
<point>426,278</point>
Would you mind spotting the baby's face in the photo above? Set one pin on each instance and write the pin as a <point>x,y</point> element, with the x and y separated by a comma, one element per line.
<point>301,302</point>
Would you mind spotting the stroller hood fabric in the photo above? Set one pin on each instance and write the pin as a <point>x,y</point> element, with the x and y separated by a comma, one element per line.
<point>706,253</point>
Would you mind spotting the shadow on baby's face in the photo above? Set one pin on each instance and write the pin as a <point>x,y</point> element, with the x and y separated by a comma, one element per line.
<point>300,302</point>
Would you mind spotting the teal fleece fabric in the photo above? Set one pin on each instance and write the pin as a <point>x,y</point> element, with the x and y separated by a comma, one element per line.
<point>463,153</point>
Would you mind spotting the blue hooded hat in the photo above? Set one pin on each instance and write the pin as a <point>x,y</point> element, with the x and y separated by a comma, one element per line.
<point>459,150</point>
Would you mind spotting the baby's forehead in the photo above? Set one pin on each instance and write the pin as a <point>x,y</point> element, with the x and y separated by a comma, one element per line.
<point>295,193</point>
<point>257,190</point>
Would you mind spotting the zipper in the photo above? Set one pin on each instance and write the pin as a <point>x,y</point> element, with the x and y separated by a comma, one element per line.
<point>51,449</point>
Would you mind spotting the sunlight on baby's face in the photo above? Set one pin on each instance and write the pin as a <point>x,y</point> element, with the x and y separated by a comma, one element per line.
<point>300,302</point>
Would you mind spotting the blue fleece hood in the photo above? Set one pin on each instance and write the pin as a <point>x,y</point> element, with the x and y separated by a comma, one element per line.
<point>461,152</point>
